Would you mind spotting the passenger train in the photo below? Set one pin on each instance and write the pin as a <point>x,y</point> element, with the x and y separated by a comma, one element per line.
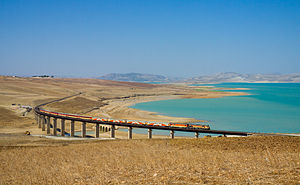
<point>176,125</point>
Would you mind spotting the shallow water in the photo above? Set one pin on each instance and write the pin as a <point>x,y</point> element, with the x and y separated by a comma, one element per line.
<point>269,108</point>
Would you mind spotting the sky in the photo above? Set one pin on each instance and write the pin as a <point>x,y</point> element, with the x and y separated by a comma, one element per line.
<point>178,38</point>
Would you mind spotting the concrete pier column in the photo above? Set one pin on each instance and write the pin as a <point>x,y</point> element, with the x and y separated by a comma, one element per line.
<point>55,126</point>
<point>39,121</point>
<point>48,124</point>
<point>43,123</point>
<point>172,134</point>
<point>97,130</point>
<point>62,127</point>
<point>36,118</point>
<point>149,133</point>
<point>196,134</point>
<point>129,132</point>
<point>72,128</point>
<point>83,129</point>
<point>112,131</point>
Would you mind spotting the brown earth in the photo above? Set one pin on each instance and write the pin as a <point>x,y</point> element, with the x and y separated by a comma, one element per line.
<point>39,160</point>
<point>251,160</point>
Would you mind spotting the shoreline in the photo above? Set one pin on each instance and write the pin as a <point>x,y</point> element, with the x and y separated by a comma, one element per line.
<point>120,108</point>
<point>124,106</point>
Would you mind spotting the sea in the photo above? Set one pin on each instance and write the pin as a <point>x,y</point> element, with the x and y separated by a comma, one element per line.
<point>269,108</point>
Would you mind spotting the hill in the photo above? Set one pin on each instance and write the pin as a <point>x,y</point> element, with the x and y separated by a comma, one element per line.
<point>236,77</point>
<point>215,78</point>
<point>136,77</point>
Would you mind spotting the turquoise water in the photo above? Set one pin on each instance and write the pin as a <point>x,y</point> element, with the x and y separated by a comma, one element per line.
<point>270,108</point>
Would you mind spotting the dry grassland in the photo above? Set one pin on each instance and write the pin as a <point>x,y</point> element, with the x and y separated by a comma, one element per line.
<point>9,118</point>
<point>251,160</point>
<point>77,105</point>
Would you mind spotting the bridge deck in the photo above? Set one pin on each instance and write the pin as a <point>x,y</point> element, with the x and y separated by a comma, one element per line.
<point>223,132</point>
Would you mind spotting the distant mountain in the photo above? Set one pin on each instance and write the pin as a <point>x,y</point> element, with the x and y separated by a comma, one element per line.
<point>136,77</point>
<point>236,77</point>
<point>216,78</point>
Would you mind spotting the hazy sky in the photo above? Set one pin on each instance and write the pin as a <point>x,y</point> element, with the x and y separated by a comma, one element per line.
<point>169,37</point>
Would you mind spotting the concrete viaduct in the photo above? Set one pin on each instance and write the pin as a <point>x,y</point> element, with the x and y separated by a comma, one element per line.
<point>44,122</point>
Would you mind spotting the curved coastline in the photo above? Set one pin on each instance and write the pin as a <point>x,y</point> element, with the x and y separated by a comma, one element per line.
<point>121,108</point>
<point>242,108</point>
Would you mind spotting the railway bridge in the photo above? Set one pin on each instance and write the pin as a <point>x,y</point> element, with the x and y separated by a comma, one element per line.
<point>48,121</point>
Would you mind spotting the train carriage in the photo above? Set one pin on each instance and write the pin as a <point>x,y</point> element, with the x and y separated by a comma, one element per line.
<point>177,125</point>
